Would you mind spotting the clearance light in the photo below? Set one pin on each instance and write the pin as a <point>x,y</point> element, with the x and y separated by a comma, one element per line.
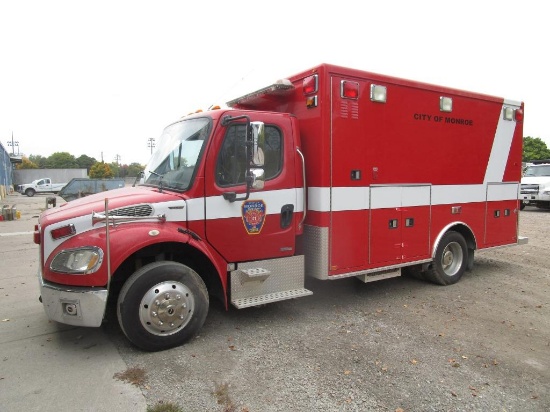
<point>378,93</point>
<point>508,113</point>
<point>446,104</point>
<point>36,235</point>
<point>63,231</point>
<point>310,84</point>
<point>311,102</point>
<point>349,90</point>
<point>518,115</point>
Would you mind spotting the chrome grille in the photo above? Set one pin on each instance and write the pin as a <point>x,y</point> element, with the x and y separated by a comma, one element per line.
<point>527,189</point>
<point>138,210</point>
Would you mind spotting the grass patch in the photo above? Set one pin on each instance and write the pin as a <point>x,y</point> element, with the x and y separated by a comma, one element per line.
<point>164,407</point>
<point>221,393</point>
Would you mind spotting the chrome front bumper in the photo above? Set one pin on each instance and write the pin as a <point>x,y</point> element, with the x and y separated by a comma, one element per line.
<point>79,306</point>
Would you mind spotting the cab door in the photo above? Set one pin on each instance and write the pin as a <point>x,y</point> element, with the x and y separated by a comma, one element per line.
<point>262,226</point>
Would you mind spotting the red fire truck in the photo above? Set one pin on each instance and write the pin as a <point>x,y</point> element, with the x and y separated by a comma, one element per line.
<point>331,173</point>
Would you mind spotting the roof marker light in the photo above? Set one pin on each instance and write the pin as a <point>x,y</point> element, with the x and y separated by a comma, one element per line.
<point>310,84</point>
<point>508,113</point>
<point>518,115</point>
<point>446,104</point>
<point>378,93</point>
<point>349,90</point>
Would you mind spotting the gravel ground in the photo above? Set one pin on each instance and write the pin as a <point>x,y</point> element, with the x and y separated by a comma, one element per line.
<point>393,345</point>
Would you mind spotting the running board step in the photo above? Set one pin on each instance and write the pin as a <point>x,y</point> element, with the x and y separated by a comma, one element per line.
<point>270,298</point>
<point>386,274</point>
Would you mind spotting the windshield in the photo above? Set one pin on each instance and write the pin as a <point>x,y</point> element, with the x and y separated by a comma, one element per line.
<point>179,149</point>
<point>537,171</point>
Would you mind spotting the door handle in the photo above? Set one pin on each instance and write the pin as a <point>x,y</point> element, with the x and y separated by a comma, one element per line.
<point>286,215</point>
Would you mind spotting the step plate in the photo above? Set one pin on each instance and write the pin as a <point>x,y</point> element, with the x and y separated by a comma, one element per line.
<point>270,298</point>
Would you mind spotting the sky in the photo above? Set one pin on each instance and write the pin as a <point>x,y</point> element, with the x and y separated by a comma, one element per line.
<point>101,78</point>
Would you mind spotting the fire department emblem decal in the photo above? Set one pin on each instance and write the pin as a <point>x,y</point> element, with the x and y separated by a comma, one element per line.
<point>253,212</point>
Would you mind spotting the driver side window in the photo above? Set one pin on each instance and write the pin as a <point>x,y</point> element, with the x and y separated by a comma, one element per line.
<point>231,164</point>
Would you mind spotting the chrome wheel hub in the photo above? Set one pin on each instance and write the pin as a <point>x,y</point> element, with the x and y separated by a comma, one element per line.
<point>166,308</point>
<point>451,259</point>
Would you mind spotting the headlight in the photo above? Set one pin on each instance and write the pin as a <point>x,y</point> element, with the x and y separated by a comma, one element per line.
<point>80,261</point>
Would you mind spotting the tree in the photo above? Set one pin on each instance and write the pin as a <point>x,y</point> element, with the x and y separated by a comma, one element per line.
<point>38,160</point>
<point>134,169</point>
<point>26,164</point>
<point>61,160</point>
<point>115,168</point>
<point>101,170</point>
<point>85,162</point>
<point>534,148</point>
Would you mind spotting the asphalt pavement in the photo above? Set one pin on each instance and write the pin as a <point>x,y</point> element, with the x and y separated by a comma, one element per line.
<point>45,366</point>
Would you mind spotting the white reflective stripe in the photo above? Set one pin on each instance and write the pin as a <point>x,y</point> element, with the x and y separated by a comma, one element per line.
<point>501,148</point>
<point>318,199</point>
<point>415,196</point>
<point>350,198</point>
<point>503,191</point>
<point>174,211</point>
<point>385,197</point>
<point>397,196</point>
<point>449,194</point>
<point>195,209</point>
<point>219,208</point>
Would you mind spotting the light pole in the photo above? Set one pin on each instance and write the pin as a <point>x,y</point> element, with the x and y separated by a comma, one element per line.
<point>13,143</point>
<point>151,143</point>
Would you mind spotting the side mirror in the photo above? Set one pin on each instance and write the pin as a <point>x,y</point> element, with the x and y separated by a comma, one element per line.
<point>258,144</point>
<point>258,178</point>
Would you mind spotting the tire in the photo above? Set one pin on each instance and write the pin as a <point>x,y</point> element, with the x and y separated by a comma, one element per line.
<point>30,192</point>
<point>414,271</point>
<point>451,260</point>
<point>162,305</point>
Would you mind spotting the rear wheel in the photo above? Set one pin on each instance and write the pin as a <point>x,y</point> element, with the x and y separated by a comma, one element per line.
<point>162,305</point>
<point>451,260</point>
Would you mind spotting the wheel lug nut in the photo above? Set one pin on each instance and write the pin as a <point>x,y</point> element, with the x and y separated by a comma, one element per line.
<point>178,297</point>
<point>157,303</point>
<point>166,296</point>
<point>154,314</point>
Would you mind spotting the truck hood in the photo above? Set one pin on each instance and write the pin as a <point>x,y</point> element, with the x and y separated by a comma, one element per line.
<point>118,198</point>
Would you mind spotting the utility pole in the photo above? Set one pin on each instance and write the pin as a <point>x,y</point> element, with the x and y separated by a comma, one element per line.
<point>151,143</point>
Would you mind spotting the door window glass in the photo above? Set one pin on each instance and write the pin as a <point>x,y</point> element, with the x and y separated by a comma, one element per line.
<point>231,165</point>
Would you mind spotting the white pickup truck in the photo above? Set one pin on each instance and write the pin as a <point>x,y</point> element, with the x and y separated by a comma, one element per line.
<point>43,185</point>
<point>535,186</point>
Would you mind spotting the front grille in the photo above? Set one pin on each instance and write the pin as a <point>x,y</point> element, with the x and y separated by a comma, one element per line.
<point>138,210</point>
<point>528,189</point>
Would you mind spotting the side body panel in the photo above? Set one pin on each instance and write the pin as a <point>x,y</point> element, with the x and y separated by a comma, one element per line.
<point>385,180</point>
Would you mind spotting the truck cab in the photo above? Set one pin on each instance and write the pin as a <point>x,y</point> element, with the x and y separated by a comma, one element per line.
<point>535,185</point>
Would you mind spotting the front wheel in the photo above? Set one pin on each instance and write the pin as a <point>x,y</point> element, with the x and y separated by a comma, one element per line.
<point>30,192</point>
<point>162,305</point>
<point>451,260</point>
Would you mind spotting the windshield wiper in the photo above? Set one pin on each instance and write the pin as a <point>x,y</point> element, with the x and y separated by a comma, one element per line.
<point>160,179</point>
